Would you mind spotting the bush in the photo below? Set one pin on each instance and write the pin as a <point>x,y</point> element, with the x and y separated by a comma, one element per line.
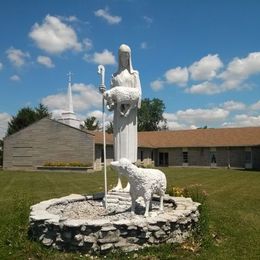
<point>68,164</point>
<point>201,235</point>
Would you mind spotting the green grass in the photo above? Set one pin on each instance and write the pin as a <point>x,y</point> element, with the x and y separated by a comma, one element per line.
<point>233,212</point>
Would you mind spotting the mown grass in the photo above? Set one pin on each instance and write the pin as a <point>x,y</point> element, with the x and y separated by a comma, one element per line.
<point>231,217</point>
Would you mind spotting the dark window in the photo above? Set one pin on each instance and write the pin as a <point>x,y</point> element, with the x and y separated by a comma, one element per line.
<point>142,156</point>
<point>163,159</point>
<point>185,157</point>
<point>152,155</point>
<point>102,155</point>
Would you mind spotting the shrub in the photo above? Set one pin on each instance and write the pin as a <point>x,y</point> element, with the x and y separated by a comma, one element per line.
<point>68,164</point>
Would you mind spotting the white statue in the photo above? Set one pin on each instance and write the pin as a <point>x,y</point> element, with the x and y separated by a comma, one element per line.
<point>143,183</point>
<point>125,113</point>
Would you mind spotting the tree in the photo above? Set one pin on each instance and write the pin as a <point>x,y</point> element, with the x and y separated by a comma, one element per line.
<point>109,128</point>
<point>1,151</point>
<point>25,117</point>
<point>150,115</point>
<point>92,124</point>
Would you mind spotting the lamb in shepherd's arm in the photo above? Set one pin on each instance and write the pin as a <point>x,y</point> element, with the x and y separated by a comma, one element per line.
<point>126,98</point>
<point>143,182</point>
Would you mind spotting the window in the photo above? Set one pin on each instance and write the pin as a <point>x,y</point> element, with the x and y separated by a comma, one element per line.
<point>102,155</point>
<point>185,157</point>
<point>152,155</point>
<point>163,159</point>
<point>142,156</point>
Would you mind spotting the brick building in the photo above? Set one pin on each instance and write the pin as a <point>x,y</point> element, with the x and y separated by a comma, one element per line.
<point>51,141</point>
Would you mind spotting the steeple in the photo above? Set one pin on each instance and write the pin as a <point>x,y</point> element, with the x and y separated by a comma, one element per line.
<point>69,117</point>
<point>70,94</point>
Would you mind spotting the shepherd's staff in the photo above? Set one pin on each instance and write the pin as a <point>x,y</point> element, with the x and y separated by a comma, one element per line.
<point>102,89</point>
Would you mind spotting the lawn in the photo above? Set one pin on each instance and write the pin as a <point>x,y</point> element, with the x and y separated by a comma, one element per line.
<point>233,209</point>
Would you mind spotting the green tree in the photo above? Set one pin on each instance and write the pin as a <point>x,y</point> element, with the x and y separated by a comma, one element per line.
<point>109,128</point>
<point>1,151</point>
<point>92,124</point>
<point>25,117</point>
<point>150,115</point>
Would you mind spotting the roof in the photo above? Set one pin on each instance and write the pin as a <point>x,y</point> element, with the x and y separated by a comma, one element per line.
<point>47,119</point>
<point>215,137</point>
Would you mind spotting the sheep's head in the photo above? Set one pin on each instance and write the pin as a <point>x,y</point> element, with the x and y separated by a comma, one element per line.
<point>121,166</point>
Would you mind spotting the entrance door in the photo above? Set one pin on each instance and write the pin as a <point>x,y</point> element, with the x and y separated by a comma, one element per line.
<point>213,159</point>
<point>163,159</point>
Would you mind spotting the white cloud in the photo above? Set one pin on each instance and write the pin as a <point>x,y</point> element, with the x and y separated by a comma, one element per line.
<point>1,66</point>
<point>104,13</point>
<point>84,97</point>
<point>87,44</point>
<point>206,68</point>
<point>256,106</point>
<point>143,45</point>
<point>194,118</point>
<point>206,87</point>
<point>54,36</point>
<point>177,76</point>
<point>157,84</point>
<point>46,61</point>
<point>241,69</point>
<point>243,120</point>
<point>105,58</point>
<point>232,105</point>
<point>17,57</point>
<point>4,119</point>
<point>15,78</point>
<point>71,18</point>
<point>205,115</point>
<point>148,20</point>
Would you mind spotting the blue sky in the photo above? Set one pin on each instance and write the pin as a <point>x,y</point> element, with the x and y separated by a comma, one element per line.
<point>202,58</point>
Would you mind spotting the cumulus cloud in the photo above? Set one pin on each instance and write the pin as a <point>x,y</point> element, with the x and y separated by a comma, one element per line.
<point>87,44</point>
<point>206,87</point>
<point>17,57</point>
<point>104,13</point>
<point>194,115</point>
<point>1,65</point>
<point>232,105</point>
<point>46,61</point>
<point>256,106</point>
<point>178,76</point>
<point>157,84</point>
<point>243,120</point>
<point>214,81</point>
<point>15,78</point>
<point>54,36</point>
<point>241,69</point>
<point>206,68</point>
<point>194,118</point>
<point>98,114</point>
<point>105,58</point>
<point>4,119</point>
<point>84,97</point>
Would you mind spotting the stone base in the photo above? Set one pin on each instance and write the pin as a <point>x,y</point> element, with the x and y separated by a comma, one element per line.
<point>80,223</point>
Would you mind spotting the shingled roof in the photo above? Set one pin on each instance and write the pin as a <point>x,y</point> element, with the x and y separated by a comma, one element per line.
<point>218,137</point>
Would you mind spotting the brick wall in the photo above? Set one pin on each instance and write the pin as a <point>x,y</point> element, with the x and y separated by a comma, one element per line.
<point>47,141</point>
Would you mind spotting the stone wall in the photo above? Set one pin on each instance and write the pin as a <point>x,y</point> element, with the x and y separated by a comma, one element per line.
<point>102,235</point>
<point>47,141</point>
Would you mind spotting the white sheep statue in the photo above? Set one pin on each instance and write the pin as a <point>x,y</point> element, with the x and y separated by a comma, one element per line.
<point>126,98</point>
<point>143,183</point>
